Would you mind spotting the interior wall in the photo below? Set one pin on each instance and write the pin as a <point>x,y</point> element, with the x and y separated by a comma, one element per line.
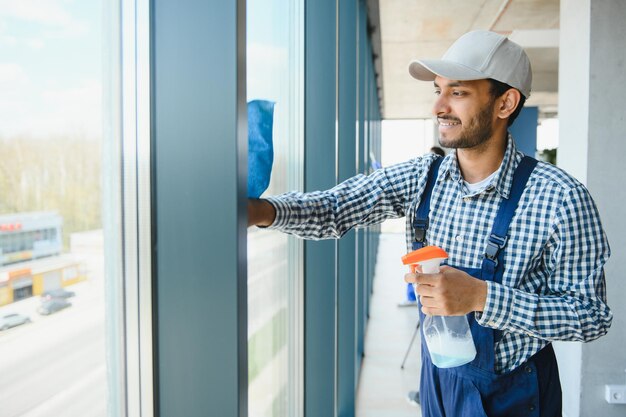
<point>591,147</point>
<point>604,361</point>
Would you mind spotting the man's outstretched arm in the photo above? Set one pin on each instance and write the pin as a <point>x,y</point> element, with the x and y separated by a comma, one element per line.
<point>356,202</point>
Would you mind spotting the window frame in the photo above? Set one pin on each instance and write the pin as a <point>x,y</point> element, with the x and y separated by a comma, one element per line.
<point>127,214</point>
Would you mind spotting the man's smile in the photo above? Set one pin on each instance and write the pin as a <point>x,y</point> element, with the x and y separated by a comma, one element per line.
<point>448,122</point>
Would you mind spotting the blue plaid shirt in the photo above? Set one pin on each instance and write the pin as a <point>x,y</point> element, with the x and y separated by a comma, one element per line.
<point>553,287</point>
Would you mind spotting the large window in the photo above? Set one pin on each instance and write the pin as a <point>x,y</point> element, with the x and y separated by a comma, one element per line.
<point>52,282</point>
<point>68,167</point>
<point>274,72</point>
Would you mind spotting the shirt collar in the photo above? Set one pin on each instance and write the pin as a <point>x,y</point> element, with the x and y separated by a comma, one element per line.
<point>503,179</point>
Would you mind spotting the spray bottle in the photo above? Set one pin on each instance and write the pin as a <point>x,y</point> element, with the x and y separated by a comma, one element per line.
<point>448,338</point>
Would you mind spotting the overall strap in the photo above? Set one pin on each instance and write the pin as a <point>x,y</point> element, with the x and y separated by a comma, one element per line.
<point>420,221</point>
<point>497,240</point>
<point>493,265</point>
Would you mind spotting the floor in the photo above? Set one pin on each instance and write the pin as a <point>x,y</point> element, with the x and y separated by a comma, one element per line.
<point>383,385</point>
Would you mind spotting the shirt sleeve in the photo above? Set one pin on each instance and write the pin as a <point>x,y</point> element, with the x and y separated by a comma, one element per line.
<point>572,304</point>
<point>359,201</point>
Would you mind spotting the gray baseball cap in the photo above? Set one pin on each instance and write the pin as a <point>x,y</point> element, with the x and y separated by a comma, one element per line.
<point>478,55</point>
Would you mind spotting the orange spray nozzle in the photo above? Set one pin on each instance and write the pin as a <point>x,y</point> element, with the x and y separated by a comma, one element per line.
<point>426,253</point>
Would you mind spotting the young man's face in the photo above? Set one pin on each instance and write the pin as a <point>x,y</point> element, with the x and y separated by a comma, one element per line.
<point>464,111</point>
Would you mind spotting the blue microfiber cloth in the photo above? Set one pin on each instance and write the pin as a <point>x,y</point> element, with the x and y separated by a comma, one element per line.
<point>260,146</point>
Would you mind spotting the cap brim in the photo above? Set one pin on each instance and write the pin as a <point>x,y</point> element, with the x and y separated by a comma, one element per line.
<point>428,70</point>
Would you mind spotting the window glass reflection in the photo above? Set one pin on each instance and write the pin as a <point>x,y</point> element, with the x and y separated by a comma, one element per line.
<point>274,73</point>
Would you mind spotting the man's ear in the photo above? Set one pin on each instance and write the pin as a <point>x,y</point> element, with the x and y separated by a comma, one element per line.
<point>508,102</point>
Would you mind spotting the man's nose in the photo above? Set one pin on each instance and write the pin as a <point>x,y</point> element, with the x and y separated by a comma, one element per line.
<point>440,106</point>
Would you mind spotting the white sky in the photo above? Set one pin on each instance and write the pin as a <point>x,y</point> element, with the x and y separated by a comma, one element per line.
<point>50,68</point>
<point>402,140</point>
<point>548,134</point>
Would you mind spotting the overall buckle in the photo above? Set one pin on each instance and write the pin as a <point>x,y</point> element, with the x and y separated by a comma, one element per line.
<point>419,228</point>
<point>494,245</point>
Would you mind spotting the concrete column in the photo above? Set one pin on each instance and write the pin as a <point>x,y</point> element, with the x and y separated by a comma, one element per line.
<point>592,84</point>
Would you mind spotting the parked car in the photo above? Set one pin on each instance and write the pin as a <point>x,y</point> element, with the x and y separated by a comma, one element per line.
<point>53,305</point>
<point>57,293</point>
<point>12,319</point>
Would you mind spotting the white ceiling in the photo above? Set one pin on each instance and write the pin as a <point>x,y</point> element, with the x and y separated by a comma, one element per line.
<point>412,29</point>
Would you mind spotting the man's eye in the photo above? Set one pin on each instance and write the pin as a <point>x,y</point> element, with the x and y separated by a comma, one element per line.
<point>437,92</point>
<point>458,93</point>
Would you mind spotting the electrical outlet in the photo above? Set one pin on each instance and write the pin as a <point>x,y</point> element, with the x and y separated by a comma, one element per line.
<point>615,394</point>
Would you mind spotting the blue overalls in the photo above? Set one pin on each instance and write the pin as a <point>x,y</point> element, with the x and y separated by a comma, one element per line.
<point>474,390</point>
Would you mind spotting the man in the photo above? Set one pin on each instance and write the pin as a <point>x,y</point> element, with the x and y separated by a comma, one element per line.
<point>525,243</point>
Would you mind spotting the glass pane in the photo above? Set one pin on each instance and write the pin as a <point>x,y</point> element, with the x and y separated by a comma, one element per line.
<point>274,60</point>
<point>52,305</point>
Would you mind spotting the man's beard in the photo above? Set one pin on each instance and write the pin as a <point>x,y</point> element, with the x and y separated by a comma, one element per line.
<point>476,133</point>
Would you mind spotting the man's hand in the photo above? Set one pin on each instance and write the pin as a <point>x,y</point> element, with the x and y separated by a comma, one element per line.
<point>260,212</point>
<point>449,293</point>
